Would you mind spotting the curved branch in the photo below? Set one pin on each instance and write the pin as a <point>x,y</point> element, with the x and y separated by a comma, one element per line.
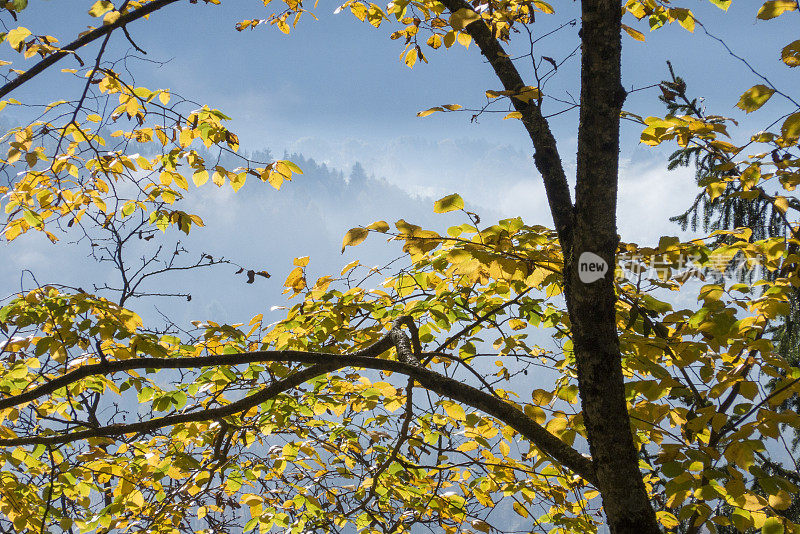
<point>322,363</point>
<point>83,41</point>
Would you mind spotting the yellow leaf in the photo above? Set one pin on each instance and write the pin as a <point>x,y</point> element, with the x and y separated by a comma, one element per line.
<point>482,526</point>
<point>296,280</point>
<point>16,37</point>
<point>411,58</point>
<point>791,126</point>
<point>352,265</point>
<point>520,509</point>
<point>781,500</point>
<point>429,111</point>
<point>353,237</point>
<point>435,41</point>
<point>781,203</point>
<point>301,261</point>
<point>791,54</point>
<point>449,38</point>
<point>275,179</point>
<point>495,94</point>
<point>775,8</point>
<point>379,226</point>
<point>200,177</point>
<point>752,503</point>
<point>755,97</point>
<point>505,449</point>
<point>454,410</point>
<point>100,7</point>
<point>237,180</point>
<point>528,93</point>
<point>513,115</point>
<point>136,498</point>
<point>452,107</point>
<point>463,18</point>
<point>449,203</point>
<point>359,10</point>
<point>667,519</point>
<point>111,17</point>
<point>517,324</point>
<point>541,397</point>
<point>556,425</point>
<point>292,166</point>
<point>715,189</point>
<point>684,17</point>
<point>636,34</point>
<point>535,413</point>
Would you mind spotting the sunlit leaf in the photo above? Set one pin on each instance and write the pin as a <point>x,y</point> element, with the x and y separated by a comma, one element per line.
<point>449,203</point>
<point>353,237</point>
<point>636,34</point>
<point>774,8</point>
<point>755,97</point>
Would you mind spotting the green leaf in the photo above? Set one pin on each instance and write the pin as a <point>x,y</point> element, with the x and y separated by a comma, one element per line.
<point>755,97</point>
<point>449,203</point>
<point>775,8</point>
<point>33,219</point>
<point>772,525</point>
<point>722,4</point>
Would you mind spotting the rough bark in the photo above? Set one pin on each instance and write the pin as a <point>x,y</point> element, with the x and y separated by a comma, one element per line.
<point>589,226</point>
<point>592,305</point>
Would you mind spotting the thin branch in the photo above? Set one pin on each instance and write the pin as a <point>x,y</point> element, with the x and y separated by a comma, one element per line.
<point>83,41</point>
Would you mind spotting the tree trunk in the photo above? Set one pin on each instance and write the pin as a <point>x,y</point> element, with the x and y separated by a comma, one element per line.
<point>591,304</point>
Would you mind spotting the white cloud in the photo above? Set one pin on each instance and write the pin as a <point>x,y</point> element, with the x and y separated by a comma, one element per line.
<point>648,196</point>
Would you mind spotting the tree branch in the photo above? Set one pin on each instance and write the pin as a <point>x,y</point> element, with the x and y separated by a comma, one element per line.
<point>322,363</point>
<point>546,156</point>
<point>83,41</point>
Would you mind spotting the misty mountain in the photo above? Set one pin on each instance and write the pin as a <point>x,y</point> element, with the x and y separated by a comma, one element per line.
<point>257,228</point>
